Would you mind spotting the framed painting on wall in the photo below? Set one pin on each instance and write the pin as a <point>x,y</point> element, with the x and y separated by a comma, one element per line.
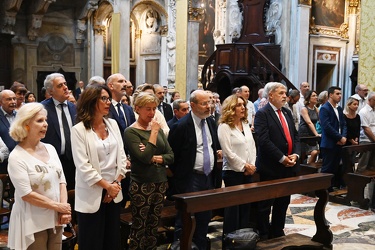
<point>329,17</point>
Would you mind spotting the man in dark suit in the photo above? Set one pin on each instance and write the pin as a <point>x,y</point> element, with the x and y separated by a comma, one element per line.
<point>61,117</point>
<point>278,152</point>
<point>124,116</point>
<point>333,138</point>
<point>180,109</point>
<point>163,107</point>
<point>78,91</point>
<point>194,142</point>
<point>7,116</point>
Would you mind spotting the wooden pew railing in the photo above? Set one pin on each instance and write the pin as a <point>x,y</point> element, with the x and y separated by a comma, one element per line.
<point>190,203</point>
<point>355,181</point>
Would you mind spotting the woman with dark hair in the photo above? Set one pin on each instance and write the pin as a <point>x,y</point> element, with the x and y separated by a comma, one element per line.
<point>239,154</point>
<point>175,96</point>
<point>100,161</point>
<point>20,90</point>
<point>149,152</point>
<point>30,97</point>
<point>309,118</point>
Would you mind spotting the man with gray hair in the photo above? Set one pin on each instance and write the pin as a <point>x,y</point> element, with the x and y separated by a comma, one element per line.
<point>61,117</point>
<point>245,93</point>
<point>7,116</point>
<point>180,109</point>
<point>96,80</point>
<point>278,153</point>
<point>361,92</point>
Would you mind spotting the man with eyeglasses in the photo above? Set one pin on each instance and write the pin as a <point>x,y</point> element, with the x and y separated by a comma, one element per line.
<point>195,143</point>
<point>180,109</point>
<point>7,116</point>
<point>61,117</point>
<point>361,92</point>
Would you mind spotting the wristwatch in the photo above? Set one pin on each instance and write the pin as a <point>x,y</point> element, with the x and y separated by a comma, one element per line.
<point>116,181</point>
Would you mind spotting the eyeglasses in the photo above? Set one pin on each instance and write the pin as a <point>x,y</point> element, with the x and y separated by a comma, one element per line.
<point>105,99</point>
<point>204,103</point>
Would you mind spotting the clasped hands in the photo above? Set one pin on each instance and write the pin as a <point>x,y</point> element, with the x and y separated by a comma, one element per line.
<point>112,192</point>
<point>249,169</point>
<point>290,160</point>
<point>64,211</point>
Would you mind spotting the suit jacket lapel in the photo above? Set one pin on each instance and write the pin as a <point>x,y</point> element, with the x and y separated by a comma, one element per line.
<point>276,119</point>
<point>4,119</point>
<point>54,120</point>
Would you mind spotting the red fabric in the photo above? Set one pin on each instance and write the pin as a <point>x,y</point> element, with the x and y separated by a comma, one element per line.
<point>286,132</point>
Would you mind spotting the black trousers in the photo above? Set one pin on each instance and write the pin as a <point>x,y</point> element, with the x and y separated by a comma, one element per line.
<point>100,230</point>
<point>198,182</point>
<point>275,228</point>
<point>236,217</point>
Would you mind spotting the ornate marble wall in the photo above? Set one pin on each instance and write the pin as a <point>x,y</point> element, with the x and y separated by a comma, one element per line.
<point>366,46</point>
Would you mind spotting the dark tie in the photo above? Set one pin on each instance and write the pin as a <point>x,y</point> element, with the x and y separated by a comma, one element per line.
<point>206,152</point>
<point>66,129</point>
<point>160,107</point>
<point>121,117</point>
<point>286,132</point>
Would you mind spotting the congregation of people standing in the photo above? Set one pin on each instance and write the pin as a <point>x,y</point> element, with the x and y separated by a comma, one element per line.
<point>172,149</point>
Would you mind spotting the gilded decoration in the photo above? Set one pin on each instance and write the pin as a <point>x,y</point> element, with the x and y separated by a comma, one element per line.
<point>305,2</point>
<point>195,11</point>
<point>329,19</point>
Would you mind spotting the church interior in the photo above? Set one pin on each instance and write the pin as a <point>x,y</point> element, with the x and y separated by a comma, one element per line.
<point>211,44</point>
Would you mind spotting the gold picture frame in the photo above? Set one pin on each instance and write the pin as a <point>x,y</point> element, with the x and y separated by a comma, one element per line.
<point>329,18</point>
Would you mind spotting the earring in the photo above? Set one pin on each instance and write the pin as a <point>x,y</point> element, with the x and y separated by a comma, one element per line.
<point>27,127</point>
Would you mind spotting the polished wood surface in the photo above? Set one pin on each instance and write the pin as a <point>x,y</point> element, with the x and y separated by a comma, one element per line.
<point>190,203</point>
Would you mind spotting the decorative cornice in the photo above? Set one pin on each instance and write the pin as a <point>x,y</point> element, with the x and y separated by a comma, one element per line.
<point>99,29</point>
<point>328,31</point>
<point>353,6</point>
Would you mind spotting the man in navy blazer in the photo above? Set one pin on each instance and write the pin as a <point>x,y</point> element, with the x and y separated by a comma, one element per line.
<point>180,109</point>
<point>56,85</point>
<point>117,84</point>
<point>276,157</point>
<point>188,175</point>
<point>7,115</point>
<point>334,133</point>
<point>163,107</point>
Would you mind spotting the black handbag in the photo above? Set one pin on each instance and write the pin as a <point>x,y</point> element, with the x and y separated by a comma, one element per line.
<point>245,238</point>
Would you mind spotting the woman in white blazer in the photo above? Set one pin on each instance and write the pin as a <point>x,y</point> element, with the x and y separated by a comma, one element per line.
<point>100,162</point>
<point>239,154</point>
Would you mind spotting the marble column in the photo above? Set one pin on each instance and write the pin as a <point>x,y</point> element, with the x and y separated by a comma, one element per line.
<point>300,39</point>
<point>124,8</point>
<point>97,51</point>
<point>181,47</point>
<point>366,45</point>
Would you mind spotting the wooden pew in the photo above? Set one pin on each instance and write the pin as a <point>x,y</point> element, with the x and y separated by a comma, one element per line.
<point>355,181</point>
<point>190,203</point>
<point>312,167</point>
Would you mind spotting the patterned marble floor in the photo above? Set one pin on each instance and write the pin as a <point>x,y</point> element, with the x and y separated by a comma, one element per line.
<point>353,228</point>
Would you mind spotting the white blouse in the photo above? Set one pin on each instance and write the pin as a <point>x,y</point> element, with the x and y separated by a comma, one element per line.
<point>28,174</point>
<point>238,149</point>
